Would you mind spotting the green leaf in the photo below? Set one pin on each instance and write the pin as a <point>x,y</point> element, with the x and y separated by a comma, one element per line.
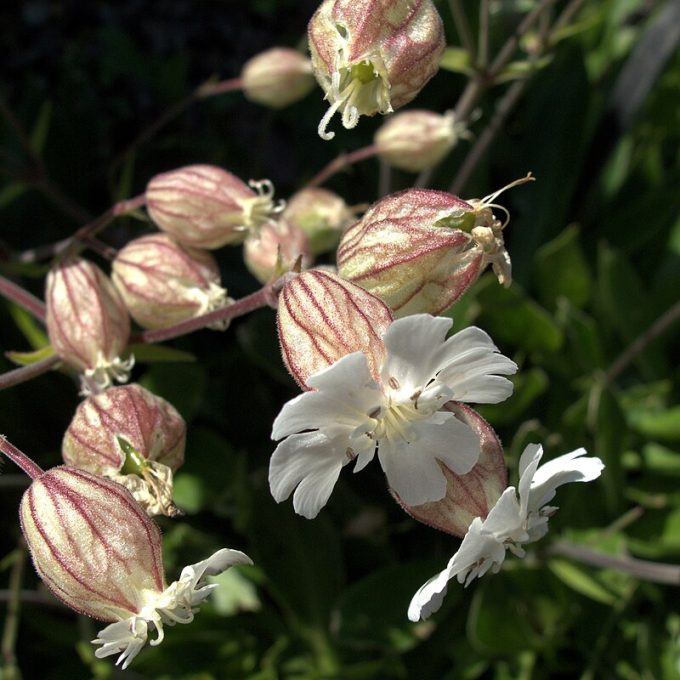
<point>301,558</point>
<point>658,424</point>
<point>581,581</point>
<point>146,353</point>
<point>26,358</point>
<point>522,69</point>
<point>509,316</point>
<point>456,59</point>
<point>661,460</point>
<point>374,609</point>
<point>31,329</point>
<point>528,386</point>
<point>172,381</point>
<point>41,128</point>
<point>234,593</point>
<point>10,192</point>
<point>561,271</point>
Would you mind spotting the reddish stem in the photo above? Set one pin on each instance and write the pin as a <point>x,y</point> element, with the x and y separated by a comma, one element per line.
<point>213,89</point>
<point>341,162</point>
<point>265,297</point>
<point>26,373</point>
<point>21,459</point>
<point>23,298</point>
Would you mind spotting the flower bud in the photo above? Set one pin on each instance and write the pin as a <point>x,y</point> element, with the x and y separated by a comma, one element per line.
<point>163,283</point>
<point>373,56</point>
<point>277,77</point>
<point>413,250</point>
<point>96,549</point>
<point>417,140</point>
<point>207,207</point>
<point>133,437</point>
<point>472,494</point>
<point>321,214</point>
<point>321,318</point>
<point>275,250</point>
<point>87,322</point>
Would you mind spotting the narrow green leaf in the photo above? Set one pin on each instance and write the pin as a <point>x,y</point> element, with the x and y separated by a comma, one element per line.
<point>581,581</point>
<point>26,358</point>
<point>41,128</point>
<point>456,59</point>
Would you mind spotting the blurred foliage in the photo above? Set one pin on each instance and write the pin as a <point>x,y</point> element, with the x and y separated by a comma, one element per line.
<point>595,244</point>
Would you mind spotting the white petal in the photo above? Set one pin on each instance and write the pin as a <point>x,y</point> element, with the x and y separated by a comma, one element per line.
<point>215,564</point>
<point>127,636</point>
<point>416,478</point>
<point>528,464</point>
<point>312,463</point>
<point>451,441</point>
<point>504,518</point>
<point>346,395</point>
<point>571,467</point>
<point>429,597</point>
<point>471,365</point>
<point>412,344</point>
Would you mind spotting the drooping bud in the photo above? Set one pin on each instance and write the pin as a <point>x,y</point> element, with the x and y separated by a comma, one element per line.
<point>417,140</point>
<point>133,437</point>
<point>470,495</point>
<point>163,283</point>
<point>277,77</point>
<point>87,322</point>
<point>373,56</point>
<point>275,250</point>
<point>321,214</point>
<point>207,207</point>
<point>322,318</point>
<point>96,549</point>
<point>413,250</point>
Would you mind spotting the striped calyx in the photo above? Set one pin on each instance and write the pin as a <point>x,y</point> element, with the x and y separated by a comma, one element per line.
<point>472,494</point>
<point>321,214</point>
<point>413,250</point>
<point>373,56</point>
<point>87,322</point>
<point>277,77</point>
<point>164,283</point>
<point>322,317</point>
<point>207,207</point>
<point>275,249</point>
<point>91,543</point>
<point>133,437</point>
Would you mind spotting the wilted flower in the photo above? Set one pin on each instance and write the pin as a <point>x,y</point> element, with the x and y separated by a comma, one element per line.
<point>96,549</point>
<point>510,524</point>
<point>87,322</point>
<point>373,56</point>
<point>275,249</point>
<point>352,415</point>
<point>207,207</point>
<point>277,77</point>
<point>321,214</point>
<point>417,140</point>
<point>163,283</point>
<point>419,250</point>
<point>131,436</point>
<point>472,494</point>
<point>321,318</point>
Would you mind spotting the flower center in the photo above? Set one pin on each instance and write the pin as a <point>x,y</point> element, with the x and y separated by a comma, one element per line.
<point>355,90</point>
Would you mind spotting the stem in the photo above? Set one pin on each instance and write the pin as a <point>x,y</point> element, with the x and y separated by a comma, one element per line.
<point>23,298</point>
<point>483,45</point>
<point>462,27</point>
<point>642,569</point>
<point>342,161</point>
<point>503,109</point>
<point>654,331</point>
<point>26,373</point>
<point>264,297</point>
<point>72,244</point>
<point>9,634</point>
<point>384,178</point>
<point>212,89</point>
<point>20,458</point>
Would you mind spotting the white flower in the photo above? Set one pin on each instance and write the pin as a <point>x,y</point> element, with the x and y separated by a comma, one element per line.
<point>509,524</point>
<point>176,604</point>
<point>349,415</point>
